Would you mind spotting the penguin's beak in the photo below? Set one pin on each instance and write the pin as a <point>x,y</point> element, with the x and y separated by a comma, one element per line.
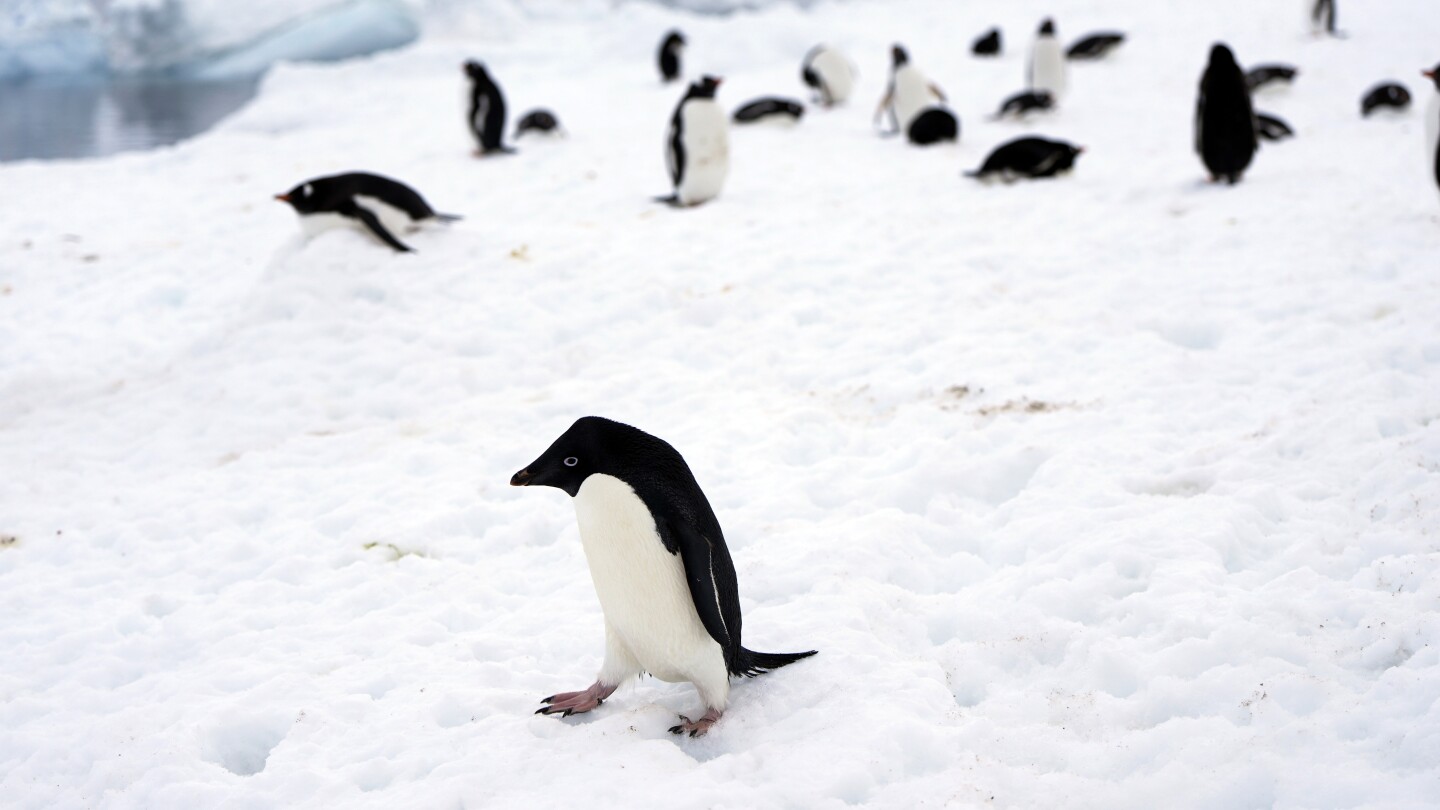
<point>521,479</point>
<point>283,197</point>
<point>1429,74</point>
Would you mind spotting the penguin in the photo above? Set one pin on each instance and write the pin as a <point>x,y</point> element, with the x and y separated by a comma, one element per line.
<point>1432,125</point>
<point>988,44</point>
<point>933,125</point>
<point>487,110</point>
<point>541,121</point>
<point>830,73</point>
<point>1271,128</point>
<point>1389,94</point>
<point>378,203</point>
<point>669,56</point>
<point>1047,62</point>
<point>1019,104</point>
<point>1322,17</point>
<point>1095,46</point>
<point>697,151</point>
<point>1269,75</point>
<point>781,110</point>
<point>909,93</point>
<point>659,564</point>
<point>1224,118</point>
<point>1029,157</point>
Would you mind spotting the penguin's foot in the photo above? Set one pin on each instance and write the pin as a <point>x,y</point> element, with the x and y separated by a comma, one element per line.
<point>568,703</point>
<point>697,728</point>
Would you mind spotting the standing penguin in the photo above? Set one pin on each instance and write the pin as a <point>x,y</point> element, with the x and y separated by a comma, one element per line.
<point>697,150</point>
<point>830,73</point>
<point>1322,17</point>
<point>1224,118</point>
<point>909,94</point>
<point>659,564</point>
<point>1047,62</point>
<point>669,57</point>
<point>487,110</point>
<point>1432,126</point>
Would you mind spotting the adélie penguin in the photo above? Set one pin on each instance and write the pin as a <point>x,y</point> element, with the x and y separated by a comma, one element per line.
<point>487,110</point>
<point>830,73</point>
<point>697,147</point>
<point>1029,157</point>
<point>659,564</point>
<point>915,104</point>
<point>378,203</point>
<point>668,59</point>
<point>1392,95</point>
<point>1047,62</point>
<point>1432,125</point>
<point>1224,118</point>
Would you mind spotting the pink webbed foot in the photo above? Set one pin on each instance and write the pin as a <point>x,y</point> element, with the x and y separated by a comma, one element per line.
<point>697,728</point>
<point>568,703</point>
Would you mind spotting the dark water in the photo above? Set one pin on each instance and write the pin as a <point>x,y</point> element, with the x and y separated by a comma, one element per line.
<point>68,118</point>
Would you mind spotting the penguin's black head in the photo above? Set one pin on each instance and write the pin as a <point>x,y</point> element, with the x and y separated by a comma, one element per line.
<point>898,56</point>
<point>475,70</point>
<point>1047,28</point>
<point>673,40</point>
<point>705,88</point>
<point>593,445</point>
<point>302,198</point>
<point>1433,74</point>
<point>1221,56</point>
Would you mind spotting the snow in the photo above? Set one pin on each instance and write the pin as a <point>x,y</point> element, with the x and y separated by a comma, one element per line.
<point>1118,490</point>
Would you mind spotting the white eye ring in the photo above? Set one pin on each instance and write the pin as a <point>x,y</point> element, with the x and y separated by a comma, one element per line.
<point>571,461</point>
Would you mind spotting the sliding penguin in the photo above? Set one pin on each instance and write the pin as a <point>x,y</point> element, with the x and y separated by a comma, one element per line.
<point>659,564</point>
<point>988,44</point>
<point>1224,118</point>
<point>1322,17</point>
<point>1047,62</point>
<point>540,121</point>
<point>830,73</point>
<point>770,109</point>
<point>1391,95</point>
<point>1020,104</point>
<point>378,203</point>
<point>1267,76</point>
<point>671,47</point>
<point>915,103</point>
<point>697,150</point>
<point>1432,126</point>
<point>487,110</point>
<point>1095,46</point>
<point>1028,158</point>
<point>1272,128</point>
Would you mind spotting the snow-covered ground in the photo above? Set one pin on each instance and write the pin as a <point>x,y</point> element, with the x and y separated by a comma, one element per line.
<point>1119,490</point>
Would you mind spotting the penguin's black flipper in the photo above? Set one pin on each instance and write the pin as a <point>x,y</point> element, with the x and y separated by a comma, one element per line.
<point>365,215</point>
<point>672,199</point>
<point>448,217</point>
<point>711,577</point>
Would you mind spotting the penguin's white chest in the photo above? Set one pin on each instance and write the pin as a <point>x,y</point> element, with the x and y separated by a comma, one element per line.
<point>835,75</point>
<point>395,220</point>
<point>641,586</point>
<point>1047,67</point>
<point>704,134</point>
<point>912,95</point>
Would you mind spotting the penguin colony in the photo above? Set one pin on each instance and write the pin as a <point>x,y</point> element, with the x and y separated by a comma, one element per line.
<point>657,556</point>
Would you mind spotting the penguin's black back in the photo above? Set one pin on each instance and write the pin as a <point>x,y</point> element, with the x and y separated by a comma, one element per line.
<point>1095,46</point>
<point>1389,94</point>
<point>668,59</point>
<point>1030,156</point>
<point>330,194</point>
<point>537,121</point>
<point>762,108</point>
<point>1224,117</point>
<point>933,125</point>
<point>988,44</point>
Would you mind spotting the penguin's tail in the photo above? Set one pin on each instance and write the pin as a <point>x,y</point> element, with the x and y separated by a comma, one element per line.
<point>449,217</point>
<point>750,663</point>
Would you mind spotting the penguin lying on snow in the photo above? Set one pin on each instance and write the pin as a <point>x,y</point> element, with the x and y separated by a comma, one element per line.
<point>1270,75</point>
<point>668,59</point>
<point>830,73</point>
<point>1271,128</point>
<point>781,110</point>
<point>697,151</point>
<point>915,104</point>
<point>1019,104</point>
<point>543,122</point>
<point>988,44</point>
<point>378,203</point>
<point>659,564</point>
<point>1389,94</point>
<point>1095,46</point>
<point>1224,118</point>
<point>1028,157</point>
<point>487,110</point>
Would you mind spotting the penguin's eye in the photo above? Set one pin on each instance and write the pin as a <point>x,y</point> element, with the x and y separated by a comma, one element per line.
<point>571,461</point>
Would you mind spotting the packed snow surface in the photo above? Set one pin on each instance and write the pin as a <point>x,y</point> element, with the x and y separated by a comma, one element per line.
<point>1116,490</point>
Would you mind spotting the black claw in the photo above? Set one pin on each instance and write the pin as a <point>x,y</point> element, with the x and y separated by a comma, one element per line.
<point>543,710</point>
<point>695,733</point>
<point>675,729</point>
<point>600,702</point>
<point>550,699</point>
<point>567,713</point>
